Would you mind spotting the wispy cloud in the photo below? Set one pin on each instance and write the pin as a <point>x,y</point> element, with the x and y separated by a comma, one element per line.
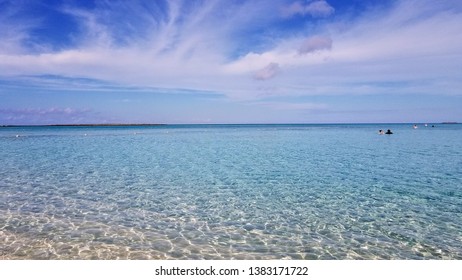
<point>318,8</point>
<point>15,29</point>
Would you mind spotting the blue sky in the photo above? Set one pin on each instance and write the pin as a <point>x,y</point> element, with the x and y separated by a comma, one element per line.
<point>279,61</point>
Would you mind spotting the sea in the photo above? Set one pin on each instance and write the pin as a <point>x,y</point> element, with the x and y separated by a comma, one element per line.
<point>252,192</point>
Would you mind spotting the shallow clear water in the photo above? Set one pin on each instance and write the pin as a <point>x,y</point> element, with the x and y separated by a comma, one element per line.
<point>231,192</point>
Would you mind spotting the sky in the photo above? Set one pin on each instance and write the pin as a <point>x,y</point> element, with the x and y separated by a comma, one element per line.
<point>230,61</point>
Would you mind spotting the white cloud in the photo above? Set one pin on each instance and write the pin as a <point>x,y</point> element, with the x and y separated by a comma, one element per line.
<point>413,48</point>
<point>315,43</point>
<point>318,8</point>
<point>267,72</point>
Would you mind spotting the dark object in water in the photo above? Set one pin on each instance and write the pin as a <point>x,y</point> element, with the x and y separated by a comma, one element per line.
<point>388,132</point>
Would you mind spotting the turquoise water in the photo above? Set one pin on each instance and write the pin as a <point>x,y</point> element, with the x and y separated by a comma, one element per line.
<point>231,192</point>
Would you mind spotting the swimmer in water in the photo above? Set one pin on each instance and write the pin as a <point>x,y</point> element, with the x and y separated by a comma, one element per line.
<point>388,132</point>
<point>381,132</point>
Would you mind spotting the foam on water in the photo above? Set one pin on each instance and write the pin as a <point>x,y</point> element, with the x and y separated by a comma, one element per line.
<point>231,192</point>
